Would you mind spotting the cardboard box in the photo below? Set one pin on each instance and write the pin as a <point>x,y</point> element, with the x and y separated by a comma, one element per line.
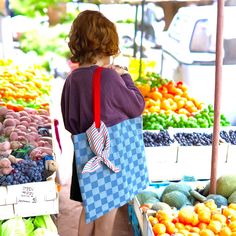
<point>31,199</point>
<point>196,160</point>
<point>159,160</point>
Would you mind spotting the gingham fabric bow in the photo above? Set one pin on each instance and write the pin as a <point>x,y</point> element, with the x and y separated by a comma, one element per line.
<point>99,143</point>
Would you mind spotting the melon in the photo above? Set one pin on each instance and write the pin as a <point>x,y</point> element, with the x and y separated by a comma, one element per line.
<point>176,199</point>
<point>181,187</point>
<point>226,185</point>
<point>232,198</point>
<point>218,199</point>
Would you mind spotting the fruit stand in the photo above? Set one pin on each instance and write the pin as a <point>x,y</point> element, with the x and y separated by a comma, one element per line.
<point>27,146</point>
<point>178,136</point>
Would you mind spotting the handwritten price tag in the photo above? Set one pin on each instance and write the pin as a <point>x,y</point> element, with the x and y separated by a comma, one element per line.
<point>28,195</point>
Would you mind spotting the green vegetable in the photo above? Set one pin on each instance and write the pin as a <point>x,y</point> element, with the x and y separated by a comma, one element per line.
<point>43,232</point>
<point>13,227</point>
<point>45,222</point>
<point>29,226</point>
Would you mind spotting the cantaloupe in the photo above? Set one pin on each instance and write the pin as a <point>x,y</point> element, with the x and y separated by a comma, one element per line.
<point>232,198</point>
<point>226,185</point>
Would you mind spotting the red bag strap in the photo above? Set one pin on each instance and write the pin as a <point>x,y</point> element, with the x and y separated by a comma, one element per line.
<point>96,96</point>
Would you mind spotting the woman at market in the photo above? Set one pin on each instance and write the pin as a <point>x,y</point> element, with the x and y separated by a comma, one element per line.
<point>93,40</point>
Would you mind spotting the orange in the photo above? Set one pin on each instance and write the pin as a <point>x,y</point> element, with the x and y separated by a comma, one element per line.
<point>204,216</point>
<point>225,231</point>
<point>195,230</point>
<point>232,206</point>
<point>179,226</point>
<point>170,227</point>
<point>232,226</point>
<point>163,215</point>
<point>153,220</point>
<point>202,225</point>
<point>159,228</point>
<point>211,204</point>
<point>184,232</point>
<point>215,226</point>
<point>229,212</point>
<point>200,206</point>
<point>193,234</point>
<point>206,232</point>
<point>219,217</point>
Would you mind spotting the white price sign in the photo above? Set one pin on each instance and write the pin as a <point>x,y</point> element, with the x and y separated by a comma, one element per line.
<point>27,194</point>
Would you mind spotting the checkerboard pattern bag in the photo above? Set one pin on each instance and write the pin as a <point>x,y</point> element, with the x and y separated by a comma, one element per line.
<point>111,164</point>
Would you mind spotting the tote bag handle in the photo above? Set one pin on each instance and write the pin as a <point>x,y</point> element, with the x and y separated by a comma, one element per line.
<point>96,96</point>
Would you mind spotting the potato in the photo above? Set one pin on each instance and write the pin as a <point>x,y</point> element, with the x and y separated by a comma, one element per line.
<point>25,118</point>
<point>23,113</point>
<point>30,111</point>
<point>33,143</point>
<point>41,143</point>
<point>21,127</point>
<point>25,123</point>
<point>9,117</point>
<point>21,133</point>
<point>33,124</point>
<point>35,135</point>
<point>9,122</point>
<point>46,139</point>
<point>4,146</point>
<point>8,130</point>
<point>43,112</point>
<point>32,129</point>
<point>14,114</point>
<point>15,145</point>
<point>22,139</point>
<point>17,121</point>
<point>5,153</point>
<point>13,136</point>
<point>3,111</point>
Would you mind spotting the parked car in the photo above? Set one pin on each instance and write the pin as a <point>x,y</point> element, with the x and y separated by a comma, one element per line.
<point>189,51</point>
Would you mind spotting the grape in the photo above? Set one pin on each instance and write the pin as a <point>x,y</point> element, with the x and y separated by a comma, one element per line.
<point>25,171</point>
<point>152,139</point>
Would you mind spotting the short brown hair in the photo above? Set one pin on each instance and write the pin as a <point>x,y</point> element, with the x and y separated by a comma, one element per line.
<point>92,35</point>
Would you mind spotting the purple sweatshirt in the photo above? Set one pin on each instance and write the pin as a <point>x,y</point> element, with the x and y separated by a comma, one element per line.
<point>120,99</point>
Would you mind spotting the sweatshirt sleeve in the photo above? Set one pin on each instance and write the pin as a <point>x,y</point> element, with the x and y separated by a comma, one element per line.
<point>69,103</point>
<point>120,93</point>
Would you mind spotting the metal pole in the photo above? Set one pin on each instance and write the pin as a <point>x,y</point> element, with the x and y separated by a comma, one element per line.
<point>141,42</point>
<point>218,86</point>
<point>135,30</point>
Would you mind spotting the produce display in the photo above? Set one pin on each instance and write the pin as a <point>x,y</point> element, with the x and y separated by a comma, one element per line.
<point>26,151</point>
<point>24,87</point>
<point>180,209</point>
<point>168,104</point>
<point>33,226</point>
<point>163,138</point>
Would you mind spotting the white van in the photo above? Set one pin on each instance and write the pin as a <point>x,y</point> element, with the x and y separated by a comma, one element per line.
<point>188,55</point>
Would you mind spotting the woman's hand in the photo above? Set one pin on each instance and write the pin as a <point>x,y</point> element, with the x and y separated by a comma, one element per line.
<point>119,69</point>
